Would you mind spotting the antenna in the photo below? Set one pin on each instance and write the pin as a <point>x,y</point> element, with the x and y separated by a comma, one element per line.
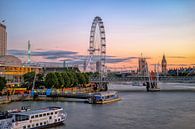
<point>29,52</point>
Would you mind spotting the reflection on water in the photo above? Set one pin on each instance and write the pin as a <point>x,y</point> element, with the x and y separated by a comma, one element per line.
<point>140,110</point>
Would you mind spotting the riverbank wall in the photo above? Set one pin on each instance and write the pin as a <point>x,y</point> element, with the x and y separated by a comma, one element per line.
<point>12,98</point>
<point>58,95</point>
<point>28,97</point>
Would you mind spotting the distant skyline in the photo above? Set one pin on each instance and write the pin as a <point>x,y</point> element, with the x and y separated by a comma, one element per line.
<point>59,29</point>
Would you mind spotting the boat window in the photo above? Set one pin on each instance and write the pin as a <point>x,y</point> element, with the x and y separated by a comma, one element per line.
<point>40,115</point>
<point>55,120</point>
<point>28,126</point>
<point>51,113</point>
<point>55,112</point>
<point>44,114</point>
<point>33,125</point>
<point>24,127</point>
<point>32,117</point>
<point>48,114</point>
<point>21,117</point>
<point>36,116</point>
<point>37,124</point>
<point>45,123</point>
<point>58,119</point>
<point>50,117</point>
<point>41,123</point>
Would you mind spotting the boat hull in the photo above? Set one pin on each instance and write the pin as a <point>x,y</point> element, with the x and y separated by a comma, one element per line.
<point>49,125</point>
<point>108,101</point>
<point>154,90</point>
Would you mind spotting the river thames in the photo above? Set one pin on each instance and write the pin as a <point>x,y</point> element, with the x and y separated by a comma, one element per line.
<point>136,110</point>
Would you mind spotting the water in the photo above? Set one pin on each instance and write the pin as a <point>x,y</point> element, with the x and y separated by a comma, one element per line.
<point>139,110</point>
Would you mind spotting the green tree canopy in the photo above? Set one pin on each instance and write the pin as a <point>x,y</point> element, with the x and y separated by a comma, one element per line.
<point>71,77</point>
<point>75,79</point>
<point>29,77</point>
<point>67,81</point>
<point>86,78</point>
<point>60,80</point>
<point>81,78</point>
<point>51,80</point>
<point>2,83</point>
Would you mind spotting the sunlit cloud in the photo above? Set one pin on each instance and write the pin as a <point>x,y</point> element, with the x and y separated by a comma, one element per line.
<point>177,57</point>
<point>70,57</point>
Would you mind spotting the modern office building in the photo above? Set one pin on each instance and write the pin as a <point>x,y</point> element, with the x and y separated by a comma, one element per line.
<point>3,40</point>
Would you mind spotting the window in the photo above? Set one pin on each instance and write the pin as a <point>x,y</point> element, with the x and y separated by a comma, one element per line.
<point>41,123</point>
<point>58,120</point>
<point>44,114</point>
<point>24,127</point>
<point>28,126</point>
<point>55,112</point>
<point>51,113</point>
<point>55,120</point>
<point>36,116</point>
<point>21,117</point>
<point>45,123</point>
<point>48,114</point>
<point>32,117</point>
<point>50,117</point>
<point>33,125</point>
<point>37,124</point>
<point>40,115</point>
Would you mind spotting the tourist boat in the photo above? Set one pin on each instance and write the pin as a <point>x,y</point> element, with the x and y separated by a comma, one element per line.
<point>32,119</point>
<point>104,97</point>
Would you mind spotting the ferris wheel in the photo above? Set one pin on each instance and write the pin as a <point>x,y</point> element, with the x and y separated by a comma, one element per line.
<point>97,47</point>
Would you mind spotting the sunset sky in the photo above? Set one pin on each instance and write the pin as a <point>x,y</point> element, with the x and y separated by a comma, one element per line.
<point>59,29</point>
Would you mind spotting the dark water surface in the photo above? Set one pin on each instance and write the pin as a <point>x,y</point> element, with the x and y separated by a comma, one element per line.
<point>140,110</point>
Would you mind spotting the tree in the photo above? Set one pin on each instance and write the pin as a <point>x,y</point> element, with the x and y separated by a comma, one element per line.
<point>51,80</point>
<point>40,77</point>
<point>39,80</point>
<point>81,78</point>
<point>28,79</point>
<point>86,78</point>
<point>71,77</point>
<point>2,83</point>
<point>67,81</point>
<point>60,80</point>
<point>75,79</point>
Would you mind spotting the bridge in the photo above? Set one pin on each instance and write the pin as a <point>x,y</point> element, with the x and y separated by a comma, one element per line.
<point>182,79</point>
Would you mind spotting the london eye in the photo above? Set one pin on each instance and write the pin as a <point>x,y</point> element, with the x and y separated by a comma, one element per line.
<point>97,47</point>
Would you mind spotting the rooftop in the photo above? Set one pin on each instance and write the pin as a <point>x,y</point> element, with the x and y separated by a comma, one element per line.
<point>43,110</point>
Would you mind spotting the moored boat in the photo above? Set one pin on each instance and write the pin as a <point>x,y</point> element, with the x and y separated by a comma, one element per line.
<point>104,97</point>
<point>33,119</point>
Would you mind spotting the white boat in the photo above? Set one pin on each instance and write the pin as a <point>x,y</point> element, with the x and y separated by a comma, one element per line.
<point>104,97</point>
<point>33,119</point>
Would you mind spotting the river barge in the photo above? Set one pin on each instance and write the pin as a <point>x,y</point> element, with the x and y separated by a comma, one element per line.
<point>104,97</point>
